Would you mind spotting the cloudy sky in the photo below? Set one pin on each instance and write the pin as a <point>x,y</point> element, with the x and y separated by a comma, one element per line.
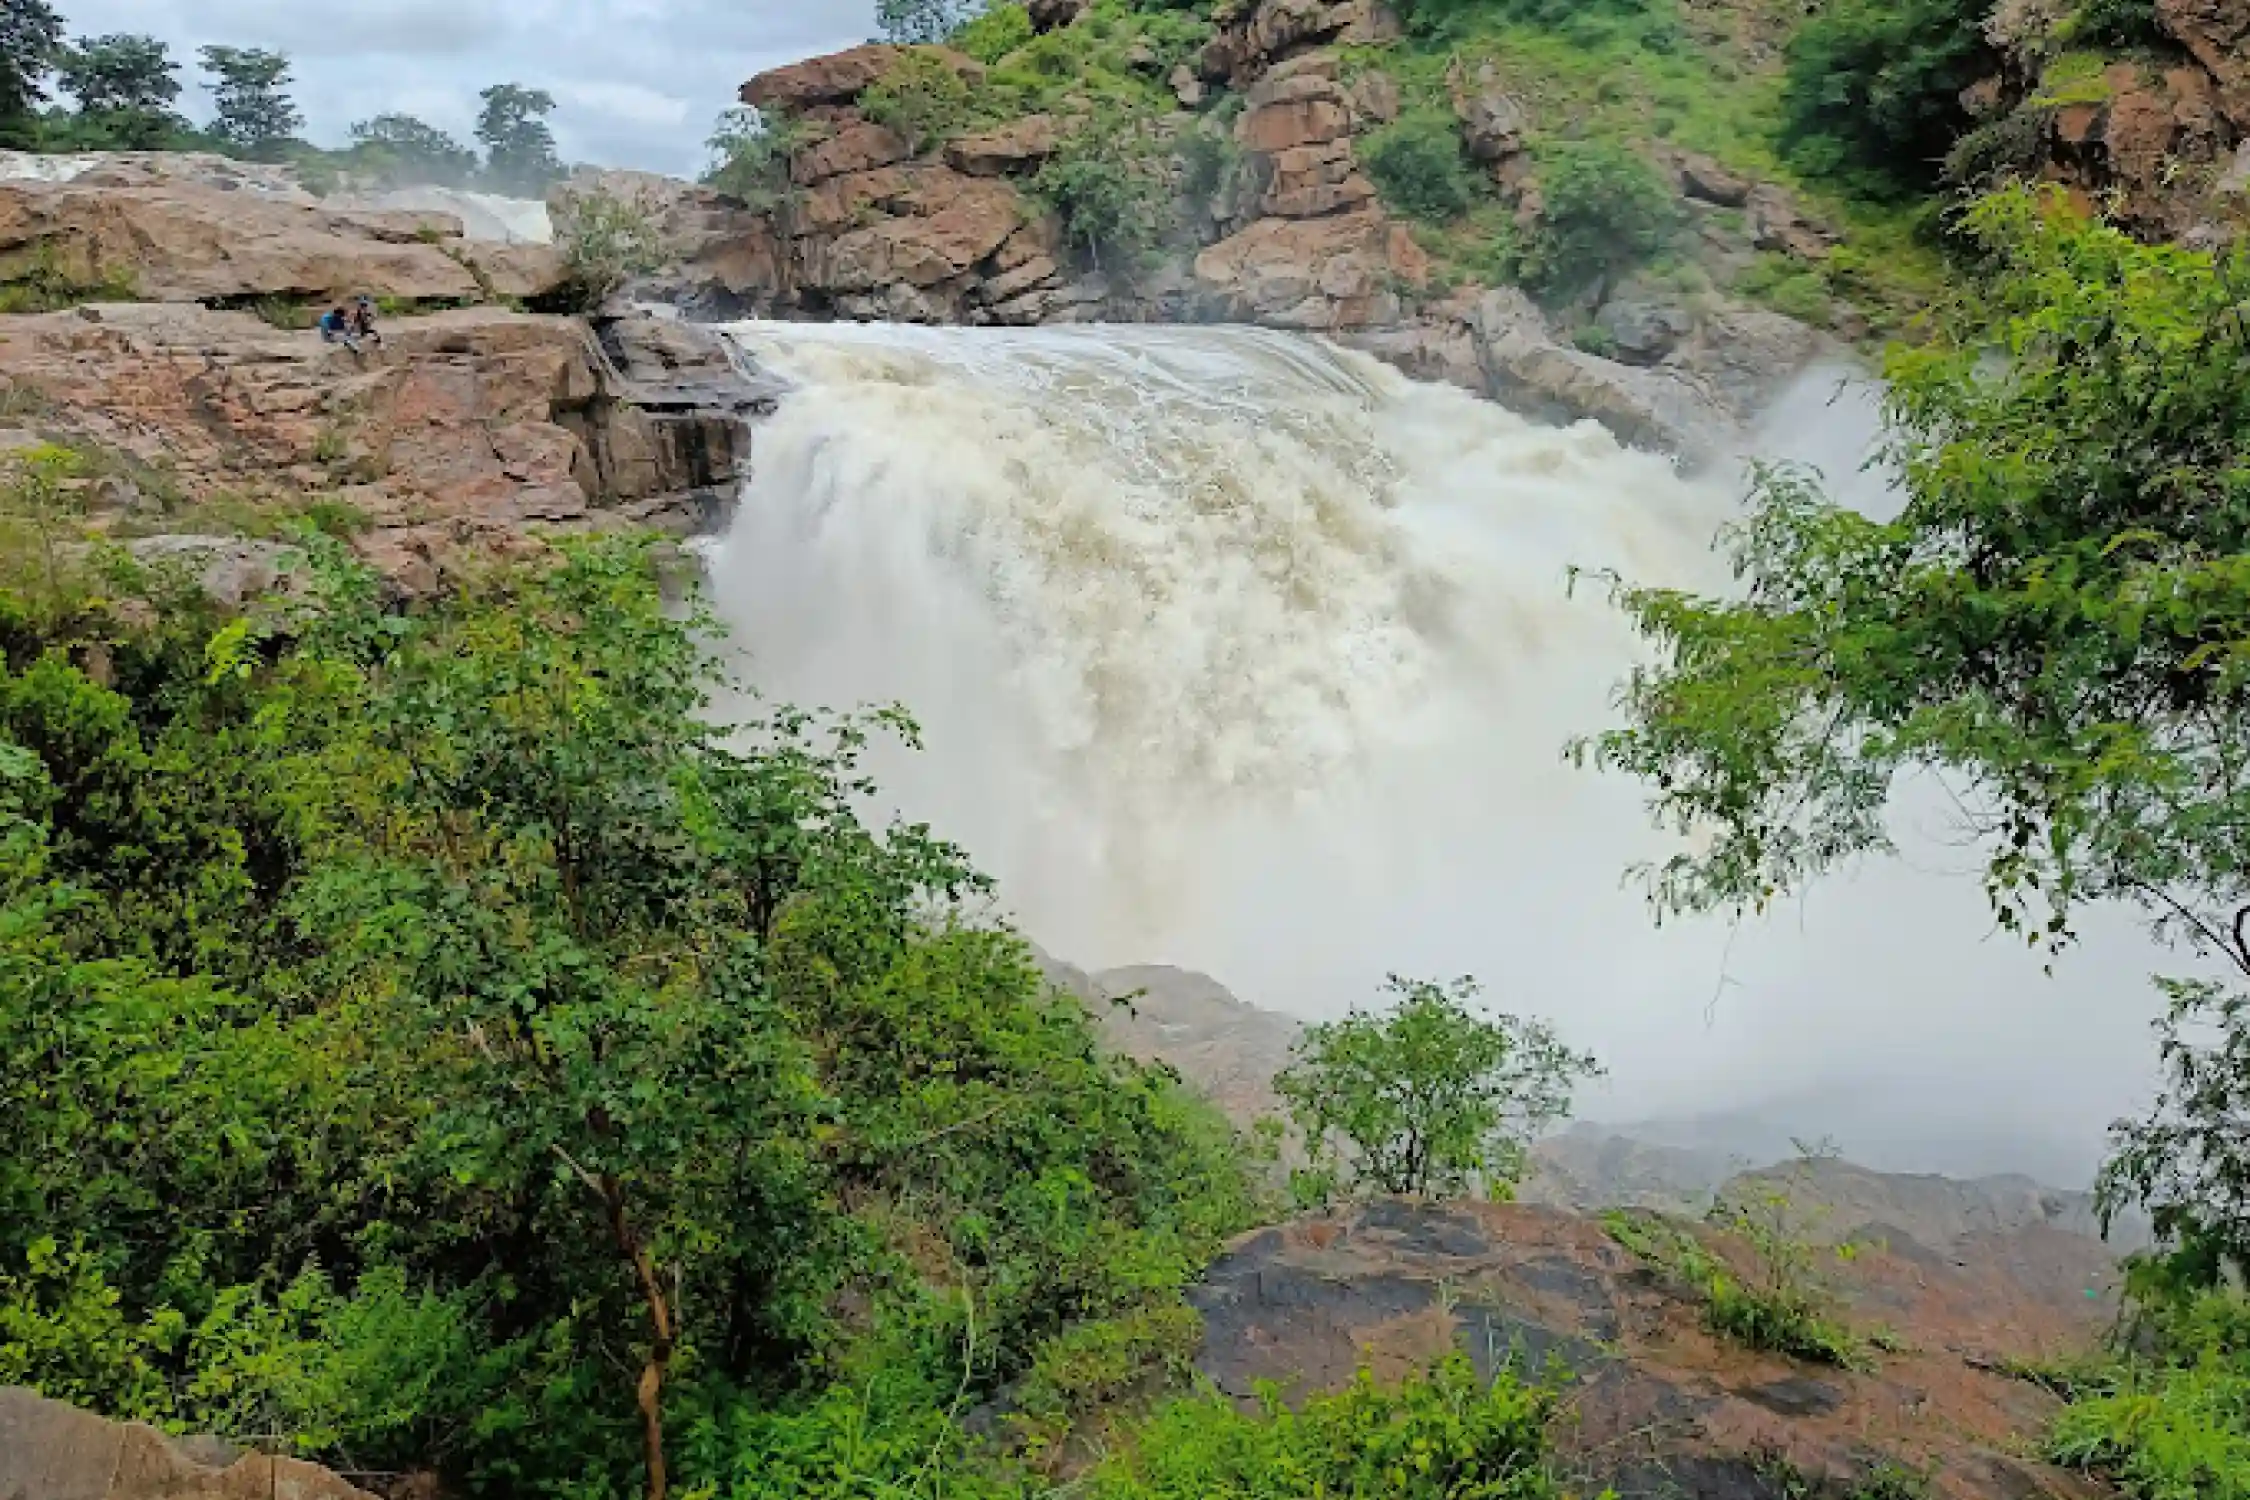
<point>638,82</point>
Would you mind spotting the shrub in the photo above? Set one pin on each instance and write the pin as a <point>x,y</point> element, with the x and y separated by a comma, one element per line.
<point>1432,1097</point>
<point>1107,183</point>
<point>996,33</point>
<point>607,240</point>
<point>1873,91</point>
<point>1443,1436</point>
<point>922,97</point>
<point>1605,211</point>
<point>1417,164</point>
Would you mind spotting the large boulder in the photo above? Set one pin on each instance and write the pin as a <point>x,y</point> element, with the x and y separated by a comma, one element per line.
<point>1267,32</point>
<point>182,242</point>
<point>964,226</point>
<point>158,169</point>
<point>1492,121</point>
<point>1660,1407</point>
<point>469,433</point>
<point>1296,106</point>
<point>1322,275</point>
<point>840,77</point>
<point>1016,147</point>
<point>714,243</point>
<point>1665,408</point>
<point>49,1451</point>
<point>855,146</point>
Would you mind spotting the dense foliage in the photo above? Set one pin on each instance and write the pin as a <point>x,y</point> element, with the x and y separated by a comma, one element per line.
<point>254,114</point>
<point>1605,211</point>
<point>519,145</point>
<point>1432,1096</point>
<point>432,1040</point>
<point>1875,88</point>
<point>1445,1436</point>
<point>1417,163</point>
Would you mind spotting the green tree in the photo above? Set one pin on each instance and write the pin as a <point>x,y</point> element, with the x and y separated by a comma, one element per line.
<point>1874,88</point>
<point>2057,623</point>
<point>1107,183</point>
<point>30,34</point>
<point>923,21</point>
<point>1604,211</point>
<point>606,240</point>
<point>125,87</point>
<point>250,92</point>
<point>519,146</point>
<point>1417,163</point>
<point>401,149</point>
<point>1433,1097</point>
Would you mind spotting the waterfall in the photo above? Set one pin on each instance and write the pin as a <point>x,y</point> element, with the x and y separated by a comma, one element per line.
<point>1240,652</point>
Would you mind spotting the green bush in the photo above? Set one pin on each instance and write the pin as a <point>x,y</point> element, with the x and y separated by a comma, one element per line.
<point>424,1029</point>
<point>1874,89</point>
<point>1108,185</point>
<point>1417,165</point>
<point>997,32</point>
<point>1606,210</point>
<point>1446,1436</point>
<point>924,98</point>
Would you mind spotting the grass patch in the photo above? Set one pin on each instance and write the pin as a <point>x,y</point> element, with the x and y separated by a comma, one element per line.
<point>43,284</point>
<point>1782,1308</point>
<point>1439,1436</point>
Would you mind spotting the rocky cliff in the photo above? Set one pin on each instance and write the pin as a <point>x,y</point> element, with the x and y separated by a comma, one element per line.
<point>179,359</point>
<point>1291,234</point>
<point>1662,1407</point>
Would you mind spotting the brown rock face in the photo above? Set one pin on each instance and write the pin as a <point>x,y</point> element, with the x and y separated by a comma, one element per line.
<point>840,77</point>
<point>1492,122</point>
<point>184,242</point>
<point>714,242</point>
<point>1272,31</point>
<point>469,430</point>
<point>1705,180</point>
<point>1019,146</point>
<point>970,221</point>
<point>2218,33</point>
<point>2156,146</point>
<point>1309,181</point>
<point>1660,1406</point>
<point>858,147</point>
<point>49,1451</point>
<point>1296,109</point>
<point>1319,274</point>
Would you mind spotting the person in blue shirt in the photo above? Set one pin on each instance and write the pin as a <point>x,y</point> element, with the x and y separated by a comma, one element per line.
<point>336,327</point>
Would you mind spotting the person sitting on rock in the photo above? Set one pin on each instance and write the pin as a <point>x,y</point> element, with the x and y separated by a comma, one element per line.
<point>337,326</point>
<point>363,322</point>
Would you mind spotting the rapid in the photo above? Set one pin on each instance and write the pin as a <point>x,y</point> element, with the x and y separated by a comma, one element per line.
<point>1236,651</point>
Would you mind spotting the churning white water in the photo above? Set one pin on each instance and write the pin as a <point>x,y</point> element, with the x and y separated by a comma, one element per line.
<point>1239,652</point>
<point>484,216</point>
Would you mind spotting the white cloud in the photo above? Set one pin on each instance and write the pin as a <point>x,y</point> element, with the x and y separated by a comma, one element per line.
<point>629,102</point>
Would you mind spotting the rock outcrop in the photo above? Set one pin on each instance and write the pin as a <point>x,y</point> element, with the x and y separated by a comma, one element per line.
<point>1661,1407</point>
<point>720,256</point>
<point>49,1451</point>
<point>840,77</point>
<point>466,435</point>
<point>184,241</point>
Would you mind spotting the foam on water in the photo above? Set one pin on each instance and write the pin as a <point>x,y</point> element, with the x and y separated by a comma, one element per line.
<point>1238,651</point>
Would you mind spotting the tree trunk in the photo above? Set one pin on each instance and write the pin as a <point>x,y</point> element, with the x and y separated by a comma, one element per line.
<point>651,1394</point>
